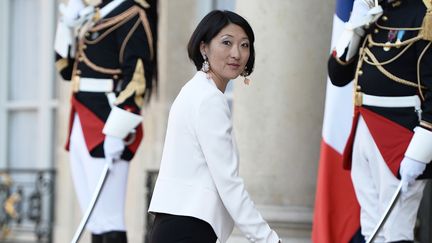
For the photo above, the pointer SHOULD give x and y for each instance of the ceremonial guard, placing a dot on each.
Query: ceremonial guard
(108, 52)
(391, 137)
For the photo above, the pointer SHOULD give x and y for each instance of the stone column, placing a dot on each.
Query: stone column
(278, 117)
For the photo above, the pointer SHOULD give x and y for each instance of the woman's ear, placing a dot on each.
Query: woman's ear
(203, 49)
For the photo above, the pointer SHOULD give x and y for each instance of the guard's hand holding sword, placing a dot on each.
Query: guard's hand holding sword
(410, 169)
(113, 148)
(119, 125)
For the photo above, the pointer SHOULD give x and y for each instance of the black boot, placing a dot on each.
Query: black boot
(115, 237)
(96, 238)
(402, 241)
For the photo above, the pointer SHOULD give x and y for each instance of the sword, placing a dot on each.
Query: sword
(387, 212)
(95, 197)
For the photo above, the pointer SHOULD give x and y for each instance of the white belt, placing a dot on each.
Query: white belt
(96, 85)
(389, 101)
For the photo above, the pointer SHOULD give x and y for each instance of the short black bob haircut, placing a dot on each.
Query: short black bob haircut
(210, 26)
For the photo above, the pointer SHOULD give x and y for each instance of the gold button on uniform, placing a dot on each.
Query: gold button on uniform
(384, 18)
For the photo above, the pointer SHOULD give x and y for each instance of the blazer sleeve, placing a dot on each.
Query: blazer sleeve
(214, 132)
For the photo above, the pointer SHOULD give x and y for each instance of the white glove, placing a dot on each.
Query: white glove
(363, 13)
(70, 12)
(410, 169)
(64, 40)
(113, 148)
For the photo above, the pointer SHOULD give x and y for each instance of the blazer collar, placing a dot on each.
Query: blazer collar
(203, 76)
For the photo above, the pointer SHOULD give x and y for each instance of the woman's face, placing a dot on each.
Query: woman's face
(228, 52)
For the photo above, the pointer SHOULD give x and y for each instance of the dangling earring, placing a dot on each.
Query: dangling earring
(206, 65)
(244, 74)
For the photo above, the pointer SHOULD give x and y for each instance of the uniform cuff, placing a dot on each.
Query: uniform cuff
(120, 123)
(420, 147)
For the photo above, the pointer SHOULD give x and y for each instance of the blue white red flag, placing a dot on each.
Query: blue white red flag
(336, 212)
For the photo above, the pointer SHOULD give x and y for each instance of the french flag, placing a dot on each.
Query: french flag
(337, 212)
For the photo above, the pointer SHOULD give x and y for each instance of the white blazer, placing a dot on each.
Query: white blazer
(199, 176)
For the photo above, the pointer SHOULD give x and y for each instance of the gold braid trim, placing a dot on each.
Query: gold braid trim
(388, 74)
(143, 3)
(427, 26)
(418, 70)
(136, 86)
(426, 124)
(357, 98)
(403, 43)
(109, 30)
(394, 58)
(123, 46)
(143, 19)
(428, 4)
(427, 21)
(98, 68)
(146, 24)
(359, 63)
(61, 64)
(396, 28)
(114, 20)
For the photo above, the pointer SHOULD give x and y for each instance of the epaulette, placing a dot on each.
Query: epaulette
(143, 3)
(427, 21)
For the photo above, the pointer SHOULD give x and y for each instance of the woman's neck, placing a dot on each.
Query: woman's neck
(220, 83)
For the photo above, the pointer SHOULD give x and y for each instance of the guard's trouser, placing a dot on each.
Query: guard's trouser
(374, 186)
(108, 214)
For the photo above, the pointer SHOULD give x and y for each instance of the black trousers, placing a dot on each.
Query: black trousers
(169, 228)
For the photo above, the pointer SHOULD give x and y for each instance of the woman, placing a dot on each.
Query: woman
(199, 195)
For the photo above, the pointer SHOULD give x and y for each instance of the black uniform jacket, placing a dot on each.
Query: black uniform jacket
(121, 47)
(394, 71)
